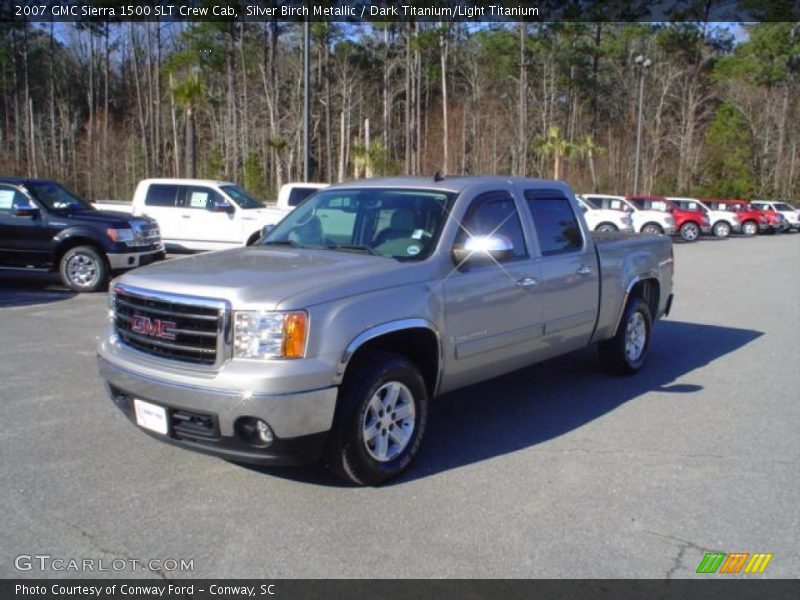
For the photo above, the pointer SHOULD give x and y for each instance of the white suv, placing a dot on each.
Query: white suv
(723, 222)
(604, 219)
(789, 212)
(644, 221)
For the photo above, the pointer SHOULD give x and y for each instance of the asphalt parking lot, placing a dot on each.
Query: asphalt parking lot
(554, 471)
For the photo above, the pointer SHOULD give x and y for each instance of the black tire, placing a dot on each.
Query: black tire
(652, 228)
(606, 227)
(721, 229)
(614, 354)
(84, 269)
(689, 231)
(350, 454)
(750, 228)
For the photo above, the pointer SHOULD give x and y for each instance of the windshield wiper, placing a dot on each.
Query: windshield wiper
(353, 248)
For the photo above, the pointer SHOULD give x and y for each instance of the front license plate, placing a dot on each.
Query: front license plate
(150, 416)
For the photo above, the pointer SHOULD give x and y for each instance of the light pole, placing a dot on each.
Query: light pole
(642, 63)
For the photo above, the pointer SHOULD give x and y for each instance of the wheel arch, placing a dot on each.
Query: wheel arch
(648, 289)
(416, 339)
(68, 242)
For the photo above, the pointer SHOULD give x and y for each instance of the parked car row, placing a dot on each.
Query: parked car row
(688, 218)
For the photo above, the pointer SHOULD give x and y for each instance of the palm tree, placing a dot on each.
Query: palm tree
(556, 146)
(188, 93)
(587, 148)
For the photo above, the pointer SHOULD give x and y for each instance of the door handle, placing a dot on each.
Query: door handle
(583, 270)
(527, 282)
(187, 216)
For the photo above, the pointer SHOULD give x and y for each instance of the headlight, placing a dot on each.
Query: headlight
(121, 235)
(262, 334)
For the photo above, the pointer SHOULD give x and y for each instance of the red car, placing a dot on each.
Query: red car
(775, 221)
(688, 223)
(752, 220)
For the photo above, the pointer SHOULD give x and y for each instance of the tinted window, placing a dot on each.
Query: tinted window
(556, 225)
(162, 195)
(494, 213)
(298, 194)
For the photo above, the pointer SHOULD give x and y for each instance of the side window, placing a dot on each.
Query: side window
(556, 226)
(203, 198)
(494, 213)
(11, 199)
(162, 195)
(298, 194)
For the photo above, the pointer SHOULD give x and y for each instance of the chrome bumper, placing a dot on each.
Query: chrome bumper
(289, 415)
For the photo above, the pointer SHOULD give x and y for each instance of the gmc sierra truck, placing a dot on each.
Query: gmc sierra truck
(45, 227)
(331, 336)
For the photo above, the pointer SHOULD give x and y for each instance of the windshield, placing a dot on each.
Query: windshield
(589, 202)
(242, 198)
(56, 197)
(403, 224)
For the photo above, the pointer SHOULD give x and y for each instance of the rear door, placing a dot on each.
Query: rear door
(162, 203)
(570, 281)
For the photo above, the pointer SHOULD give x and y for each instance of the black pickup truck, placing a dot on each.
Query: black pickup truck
(45, 227)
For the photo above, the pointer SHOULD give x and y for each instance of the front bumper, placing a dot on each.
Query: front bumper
(129, 260)
(300, 421)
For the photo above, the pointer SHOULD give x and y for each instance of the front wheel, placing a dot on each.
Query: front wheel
(83, 269)
(381, 416)
(652, 228)
(689, 231)
(749, 228)
(606, 227)
(722, 229)
(626, 352)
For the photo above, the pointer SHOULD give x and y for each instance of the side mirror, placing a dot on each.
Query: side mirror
(26, 211)
(266, 230)
(223, 208)
(482, 249)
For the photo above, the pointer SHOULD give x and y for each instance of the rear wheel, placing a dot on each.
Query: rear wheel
(626, 352)
(652, 228)
(381, 416)
(689, 231)
(721, 229)
(749, 228)
(83, 269)
(606, 227)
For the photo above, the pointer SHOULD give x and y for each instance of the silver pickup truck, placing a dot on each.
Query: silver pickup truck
(330, 337)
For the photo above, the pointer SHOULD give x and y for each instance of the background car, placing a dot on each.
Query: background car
(644, 221)
(752, 221)
(789, 212)
(723, 222)
(604, 219)
(689, 223)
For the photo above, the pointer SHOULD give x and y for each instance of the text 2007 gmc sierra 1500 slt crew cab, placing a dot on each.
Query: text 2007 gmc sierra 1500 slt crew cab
(330, 337)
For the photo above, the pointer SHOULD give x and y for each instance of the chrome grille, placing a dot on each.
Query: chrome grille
(146, 233)
(173, 327)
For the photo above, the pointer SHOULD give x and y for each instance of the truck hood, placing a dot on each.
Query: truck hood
(258, 277)
(106, 218)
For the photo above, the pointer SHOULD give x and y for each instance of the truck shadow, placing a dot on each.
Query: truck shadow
(25, 289)
(550, 399)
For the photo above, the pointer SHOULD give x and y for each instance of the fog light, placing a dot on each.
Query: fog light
(264, 432)
(254, 431)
